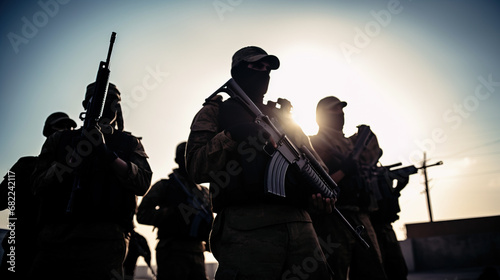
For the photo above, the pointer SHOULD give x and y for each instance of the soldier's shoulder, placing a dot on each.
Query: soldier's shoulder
(24, 163)
(206, 118)
(216, 100)
(127, 141)
(26, 160)
(315, 139)
(129, 135)
(161, 183)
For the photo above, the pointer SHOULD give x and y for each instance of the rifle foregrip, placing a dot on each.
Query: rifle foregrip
(316, 183)
(325, 179)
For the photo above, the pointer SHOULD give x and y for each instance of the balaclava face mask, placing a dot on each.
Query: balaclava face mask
(254, 83)
(330, 118)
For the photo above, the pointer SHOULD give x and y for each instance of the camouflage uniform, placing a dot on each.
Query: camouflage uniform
(90, 242)
(181, 211)
(254, 236)
(355, 202)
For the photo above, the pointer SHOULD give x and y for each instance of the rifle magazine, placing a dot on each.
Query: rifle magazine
(276, 173)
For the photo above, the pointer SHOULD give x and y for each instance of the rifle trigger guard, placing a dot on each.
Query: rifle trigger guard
(268, 149)
(82, 116)
(360, 229)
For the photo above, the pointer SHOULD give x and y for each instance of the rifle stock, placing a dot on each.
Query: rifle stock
(286, 154)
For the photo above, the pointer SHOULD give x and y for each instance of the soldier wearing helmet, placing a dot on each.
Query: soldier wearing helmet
(88, 181)
(25, 210)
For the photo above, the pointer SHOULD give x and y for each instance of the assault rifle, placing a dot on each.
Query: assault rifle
(286, 154)
(404, 172)
(96, 102)
(95, 109)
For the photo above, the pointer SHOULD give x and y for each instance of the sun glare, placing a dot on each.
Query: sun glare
(309, 73)
(307, 121)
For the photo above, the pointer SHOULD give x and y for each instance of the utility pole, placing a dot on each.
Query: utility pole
(424, 167)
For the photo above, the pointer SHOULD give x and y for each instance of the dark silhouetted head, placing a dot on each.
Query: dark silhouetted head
(250, 68)
(112, 112)
(57, 121)
(330, 113)
(180, 150)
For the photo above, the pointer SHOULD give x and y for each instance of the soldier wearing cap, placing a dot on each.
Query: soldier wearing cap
(255, 235)
(350, 259)
(86, 239)
(25, 211)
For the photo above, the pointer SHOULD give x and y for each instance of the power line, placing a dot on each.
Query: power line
(468, 175)
(485, 154)
(472, 148)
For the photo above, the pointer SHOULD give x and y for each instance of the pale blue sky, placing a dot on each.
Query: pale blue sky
(412, 70)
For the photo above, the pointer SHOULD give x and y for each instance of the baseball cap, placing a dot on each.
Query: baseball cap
(253, 54)
(330, 101)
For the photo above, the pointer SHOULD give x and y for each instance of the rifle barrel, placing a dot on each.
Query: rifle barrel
(393, 165)
(111, 43)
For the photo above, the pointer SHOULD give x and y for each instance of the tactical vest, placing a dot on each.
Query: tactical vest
(189, 207)
(247, 185)
(100, 197)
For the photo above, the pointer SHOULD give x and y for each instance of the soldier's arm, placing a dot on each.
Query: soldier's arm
(207, 147)
(137, 174)
(329, 156)
(48, 171)
(204, 157)
(152, 209)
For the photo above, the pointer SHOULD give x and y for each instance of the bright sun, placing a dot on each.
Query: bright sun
(306, 75)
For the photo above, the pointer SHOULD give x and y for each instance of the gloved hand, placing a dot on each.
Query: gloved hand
(102, 149)
(349, 165)
(243, 131)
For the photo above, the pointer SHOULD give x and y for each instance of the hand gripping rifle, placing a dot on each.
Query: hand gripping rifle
(286, 154)
(95, 109)
(400, 173)
(403, 172)
(365, 135)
